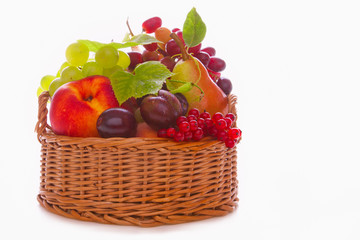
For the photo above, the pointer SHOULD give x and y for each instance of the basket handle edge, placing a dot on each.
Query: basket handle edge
(42, 124)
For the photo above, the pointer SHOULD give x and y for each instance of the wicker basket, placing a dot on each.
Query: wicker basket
(135, 181)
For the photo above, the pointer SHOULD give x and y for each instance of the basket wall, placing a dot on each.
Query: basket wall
(135, 181)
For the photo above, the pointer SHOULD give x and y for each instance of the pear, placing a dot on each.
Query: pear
(190, 69)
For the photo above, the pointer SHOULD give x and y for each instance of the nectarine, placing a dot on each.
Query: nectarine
(76, 106)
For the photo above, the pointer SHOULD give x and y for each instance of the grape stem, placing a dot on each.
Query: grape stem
(184, 54)
(192, 84)
(128, 25)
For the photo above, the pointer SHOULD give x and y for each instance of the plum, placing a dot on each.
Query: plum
(161, 111)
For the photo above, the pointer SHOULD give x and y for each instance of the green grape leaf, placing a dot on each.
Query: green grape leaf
(92, 45)
(194, 29)
(143, 39)
(140, 39)
(148, 79)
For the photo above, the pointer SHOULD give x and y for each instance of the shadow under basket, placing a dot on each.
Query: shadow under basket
(145, 182)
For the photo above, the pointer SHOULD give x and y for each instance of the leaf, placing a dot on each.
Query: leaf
(140, 39)
(183, 88)
(194, 29)
(148, 79)
(143, 39)
(92, 45)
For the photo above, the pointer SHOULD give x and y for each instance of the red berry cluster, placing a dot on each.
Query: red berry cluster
(197, 125)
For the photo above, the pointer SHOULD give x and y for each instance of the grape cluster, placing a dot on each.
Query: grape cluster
(80, 64)
(196, 126)
(171, 52)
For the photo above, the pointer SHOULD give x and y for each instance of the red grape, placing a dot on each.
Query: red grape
(195, 49)
(172, 48)
(203, 57)
(151, 47)
(225, 85)
(135, 59)
(150, 56)
(216, 64)
(150, 25)
(168, 62)
(210, 50)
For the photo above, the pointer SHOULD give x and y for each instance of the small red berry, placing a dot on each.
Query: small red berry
(170, 132)
(221, 124)
(180, 119)
(198, 134)
(193, 125)
(205, 115)
(222, 135)
(208, 123)
(191, 117)
(188, 136)
(184, 126)
(195, 112)
(228, 122)
(231, 116)
(179, 136)
(201, 122)
(162, 133)
(217, 116)
(213, 131)
(234, 133)
(230, 143)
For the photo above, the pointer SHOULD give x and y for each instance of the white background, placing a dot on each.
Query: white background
(295, 66)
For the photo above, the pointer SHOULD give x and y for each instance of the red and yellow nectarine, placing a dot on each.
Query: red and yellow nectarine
(76, 106)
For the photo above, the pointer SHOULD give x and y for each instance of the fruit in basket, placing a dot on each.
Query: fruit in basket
(190, 69)
(160, 111)
(116, 122)
(196, 126)
(147, 90)
(77, 54)
(76, 106)
(144, 130)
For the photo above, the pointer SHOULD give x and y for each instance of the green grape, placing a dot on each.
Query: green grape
(64, 65)
(39, 91)
(70, 74)
(45, 82)
(77, 54)
(124, 60)
(107, 56)
(92, 68)
(54, 85)
(109, 71)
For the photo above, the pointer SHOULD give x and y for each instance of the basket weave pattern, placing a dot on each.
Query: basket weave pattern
(135, 181)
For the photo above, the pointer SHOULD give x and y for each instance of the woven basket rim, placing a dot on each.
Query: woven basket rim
(44, 130)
